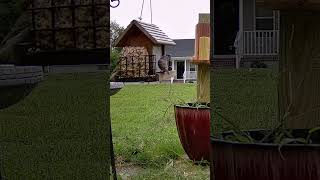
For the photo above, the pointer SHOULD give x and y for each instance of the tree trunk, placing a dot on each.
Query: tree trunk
(299, 83)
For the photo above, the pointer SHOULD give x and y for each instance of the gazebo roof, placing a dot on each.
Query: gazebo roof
(153, 32)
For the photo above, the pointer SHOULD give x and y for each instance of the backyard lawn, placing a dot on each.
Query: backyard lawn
(60, 131)
(146, 140)
(247, 98)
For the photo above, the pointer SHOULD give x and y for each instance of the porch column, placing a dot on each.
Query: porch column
(173, 64)
(238, 55)
(240, 15)
(185, 69)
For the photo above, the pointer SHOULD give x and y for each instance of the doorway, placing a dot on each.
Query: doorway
(180, 69)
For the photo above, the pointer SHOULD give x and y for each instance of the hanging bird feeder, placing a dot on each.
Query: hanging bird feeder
(114, 3)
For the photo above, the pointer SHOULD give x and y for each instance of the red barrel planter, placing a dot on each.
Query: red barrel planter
(193, 125)
(263, 161)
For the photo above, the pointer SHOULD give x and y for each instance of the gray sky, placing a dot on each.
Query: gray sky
(177, 18)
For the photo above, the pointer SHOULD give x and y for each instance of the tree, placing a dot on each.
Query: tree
(115, 31)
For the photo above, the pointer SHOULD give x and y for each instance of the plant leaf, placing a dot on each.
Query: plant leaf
(242, 138)
(314, 130)
(288, 141)
(311, 131)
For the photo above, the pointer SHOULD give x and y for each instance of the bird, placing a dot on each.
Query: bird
(163, 63)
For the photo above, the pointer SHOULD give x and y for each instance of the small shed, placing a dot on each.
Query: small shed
(142, 46)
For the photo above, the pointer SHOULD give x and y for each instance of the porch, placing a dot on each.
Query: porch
(257, 43)
(185, 70)
(258, 34)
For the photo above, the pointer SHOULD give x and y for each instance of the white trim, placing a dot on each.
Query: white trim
(172, 63)
(185, 71)
(188, 58)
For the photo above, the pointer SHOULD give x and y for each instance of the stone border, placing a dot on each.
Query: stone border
(11, 75)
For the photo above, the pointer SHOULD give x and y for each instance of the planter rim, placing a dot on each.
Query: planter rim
(262, 145)
(183, 106)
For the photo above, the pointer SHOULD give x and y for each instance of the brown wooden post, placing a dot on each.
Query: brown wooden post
(299, 87)
(203, 86)
(299, 80)
(202, 58)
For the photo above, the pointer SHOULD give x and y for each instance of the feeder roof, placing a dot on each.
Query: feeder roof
(153, 32)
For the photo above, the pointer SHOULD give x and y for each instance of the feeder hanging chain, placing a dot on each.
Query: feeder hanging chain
(115, 4)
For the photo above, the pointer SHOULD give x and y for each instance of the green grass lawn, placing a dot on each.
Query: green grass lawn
(247, 98)
(60, 131)
(145, 135)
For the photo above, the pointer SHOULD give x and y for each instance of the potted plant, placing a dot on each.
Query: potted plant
(290, 150)
(193, 119)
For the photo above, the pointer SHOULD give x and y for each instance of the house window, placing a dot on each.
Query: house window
(192, 67)
(264, 19)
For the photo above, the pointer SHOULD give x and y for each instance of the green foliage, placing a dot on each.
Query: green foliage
(115, 31)
(114, 58)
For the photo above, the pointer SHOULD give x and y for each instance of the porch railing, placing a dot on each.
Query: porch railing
(256, 43)
(260, 42)
(189, 75)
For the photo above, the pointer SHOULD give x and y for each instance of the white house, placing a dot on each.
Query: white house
(181, 56)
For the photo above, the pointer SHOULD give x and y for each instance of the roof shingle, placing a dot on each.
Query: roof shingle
(153, 32)
(183, 48)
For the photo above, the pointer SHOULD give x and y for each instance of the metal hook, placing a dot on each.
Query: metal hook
(114, 6)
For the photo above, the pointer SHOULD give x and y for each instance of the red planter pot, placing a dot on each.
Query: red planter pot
(246, 161)
(193, 125)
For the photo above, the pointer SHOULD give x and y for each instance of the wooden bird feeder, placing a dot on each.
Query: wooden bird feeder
(299, 61)
(202, 58)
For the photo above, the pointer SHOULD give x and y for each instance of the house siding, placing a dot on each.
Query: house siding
(157, 51)
(248, 15)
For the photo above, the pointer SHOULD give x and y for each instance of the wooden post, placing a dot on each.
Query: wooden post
(203, 83)
(202, 58)
(299, 85)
